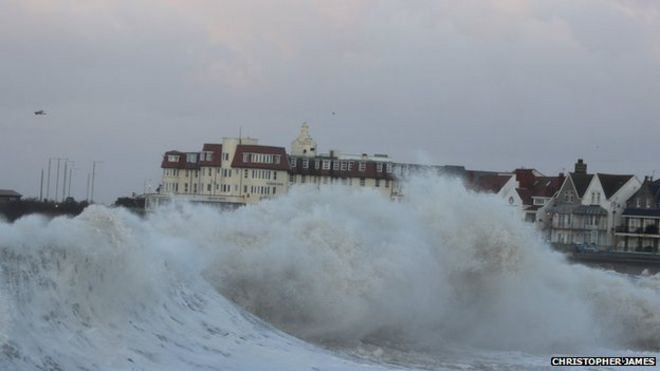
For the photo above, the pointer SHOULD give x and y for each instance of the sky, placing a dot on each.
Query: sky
(488, 84)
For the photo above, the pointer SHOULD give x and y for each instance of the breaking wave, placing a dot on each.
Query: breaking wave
(445, 268)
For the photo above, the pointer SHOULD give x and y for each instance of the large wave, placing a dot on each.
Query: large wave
(441, 269)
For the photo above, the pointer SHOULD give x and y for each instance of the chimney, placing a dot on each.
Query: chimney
(580, 167)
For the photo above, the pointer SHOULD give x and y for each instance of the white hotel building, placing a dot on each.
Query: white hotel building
(240, 171)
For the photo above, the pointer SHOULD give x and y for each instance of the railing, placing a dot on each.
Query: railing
(649, 229)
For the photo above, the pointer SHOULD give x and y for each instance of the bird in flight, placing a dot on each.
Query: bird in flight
(40, 112)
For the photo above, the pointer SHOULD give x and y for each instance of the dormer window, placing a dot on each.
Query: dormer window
(173, 158)
(191, 158)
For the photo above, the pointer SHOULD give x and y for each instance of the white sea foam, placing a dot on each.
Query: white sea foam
(445, 272)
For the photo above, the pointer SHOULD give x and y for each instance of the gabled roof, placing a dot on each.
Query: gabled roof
(489, 183)
(655, 188)
(581, 182)
(612, 183)
(536, 186)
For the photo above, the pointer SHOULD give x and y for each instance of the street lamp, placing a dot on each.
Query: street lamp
(91, 197)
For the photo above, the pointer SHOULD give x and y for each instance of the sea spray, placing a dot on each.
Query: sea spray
(442, 269)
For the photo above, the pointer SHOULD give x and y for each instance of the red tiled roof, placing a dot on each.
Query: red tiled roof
(181, 164)
(489, 183)
(525, 177)
(216, 156)
(267, 150)
(370, 171)
(543, 186)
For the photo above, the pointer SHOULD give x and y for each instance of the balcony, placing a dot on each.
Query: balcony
(649, 230)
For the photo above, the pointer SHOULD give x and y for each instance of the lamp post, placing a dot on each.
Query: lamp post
(91, 197)
(57, 178)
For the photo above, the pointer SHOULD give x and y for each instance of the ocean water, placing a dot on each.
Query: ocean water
(315, 280)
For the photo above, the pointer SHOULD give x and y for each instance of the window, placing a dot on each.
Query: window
(317, 164)
(326, 165)
(173, 158)
(343, 165)
(225, 156)
(293, 162)
(191, 157)
(379, 167)
(335, 165)
(362, 166)
(277, 159)
(389, 167)
(274, 175)
(305, 163)
(246, 157)
(350, 165)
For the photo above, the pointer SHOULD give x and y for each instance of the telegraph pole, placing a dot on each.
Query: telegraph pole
(41, 186)
(65, 175)
(94, 179)
(48, 181)
(87, 193)
(57, 180)
(68, 192)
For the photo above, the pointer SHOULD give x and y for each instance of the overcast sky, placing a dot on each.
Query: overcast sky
(492, 85)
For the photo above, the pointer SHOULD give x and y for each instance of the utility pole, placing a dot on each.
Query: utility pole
(94, 179)
(57, 179)
(48, 181)
(41, 186)
(65, 175)
(87, 193)
(68, 192)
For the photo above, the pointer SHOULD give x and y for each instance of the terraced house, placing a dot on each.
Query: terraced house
(639, 229)
(588, 207)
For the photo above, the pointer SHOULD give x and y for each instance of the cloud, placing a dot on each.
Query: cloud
(488, 84)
